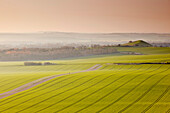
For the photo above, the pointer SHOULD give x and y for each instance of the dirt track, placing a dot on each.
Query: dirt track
(42, 80)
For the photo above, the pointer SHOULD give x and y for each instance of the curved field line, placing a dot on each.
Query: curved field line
(103, 67)
(43, 88)
(84, 90)
(77, 93)
(56, 94)
(120, 67)
(20, 83)
(128, 92)
(34, 90)
(145, 93)
(38, 87)
(97, 91)
(157, 100)
(108, 95)
(114, 68)
(31, 92)
(53, 81)
(17, 80)
(49, 97)
(41, 80)
(111, 67)
(168, 111)
(6, 79)
(85, 67)
(11, 81)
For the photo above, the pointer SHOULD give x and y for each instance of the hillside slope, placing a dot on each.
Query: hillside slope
(138, 43)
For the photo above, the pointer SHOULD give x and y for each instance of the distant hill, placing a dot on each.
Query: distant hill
(138, 43)
(58, 39)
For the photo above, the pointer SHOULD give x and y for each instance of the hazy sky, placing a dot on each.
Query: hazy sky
(85, 15)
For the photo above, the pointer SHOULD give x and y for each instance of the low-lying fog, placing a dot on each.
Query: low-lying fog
(57, 39)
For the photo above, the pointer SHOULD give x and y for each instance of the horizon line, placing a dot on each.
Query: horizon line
(85, 32)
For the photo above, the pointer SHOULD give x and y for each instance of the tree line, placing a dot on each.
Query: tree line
(16, 54)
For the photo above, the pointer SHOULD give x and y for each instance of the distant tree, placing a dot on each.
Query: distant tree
(32, 63)
(136, 45)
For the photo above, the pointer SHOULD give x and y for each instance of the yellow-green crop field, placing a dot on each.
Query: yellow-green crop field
(110, 89)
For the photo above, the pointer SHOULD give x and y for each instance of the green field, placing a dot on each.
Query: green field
(110, 89)
(146, 50)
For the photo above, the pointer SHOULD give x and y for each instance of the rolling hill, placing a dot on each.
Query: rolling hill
(138, 43)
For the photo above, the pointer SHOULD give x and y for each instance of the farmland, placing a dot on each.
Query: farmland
(109, 89)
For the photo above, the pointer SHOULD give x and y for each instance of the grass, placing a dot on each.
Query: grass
(14, 76)
(140, 43)
(110, 89)
(145, 50)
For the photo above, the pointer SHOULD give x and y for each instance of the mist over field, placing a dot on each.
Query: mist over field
(84, 56)
(64, 38)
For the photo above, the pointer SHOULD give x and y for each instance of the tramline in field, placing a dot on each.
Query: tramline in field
(105, 88)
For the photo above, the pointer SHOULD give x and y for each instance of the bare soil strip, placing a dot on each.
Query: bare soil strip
(42, 80)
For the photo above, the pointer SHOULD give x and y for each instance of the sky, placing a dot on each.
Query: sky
(85, 16)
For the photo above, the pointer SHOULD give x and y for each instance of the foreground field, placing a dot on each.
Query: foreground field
(110, 89)
(15, 75)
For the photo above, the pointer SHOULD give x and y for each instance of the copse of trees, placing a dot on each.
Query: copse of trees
(38, 63)
(49, 63)
(32, 63)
